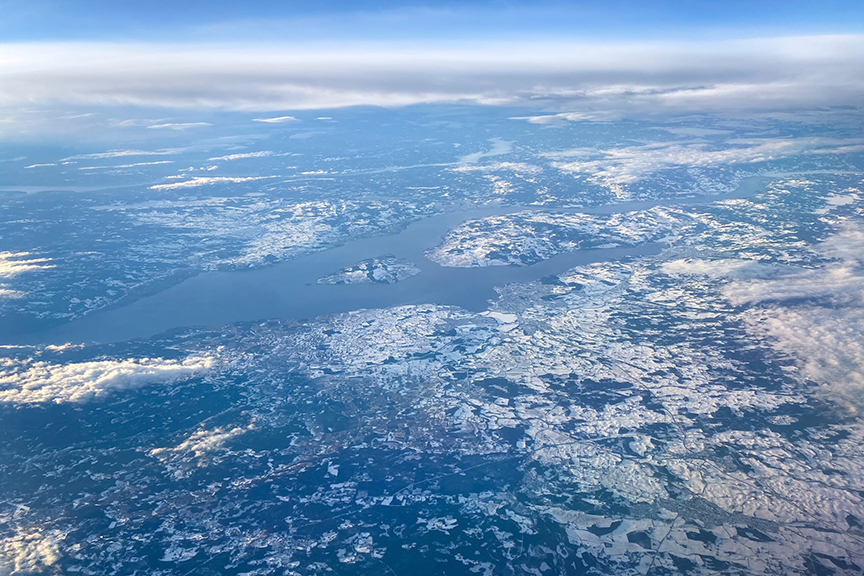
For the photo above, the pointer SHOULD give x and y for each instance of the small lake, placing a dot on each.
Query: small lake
(290, 290)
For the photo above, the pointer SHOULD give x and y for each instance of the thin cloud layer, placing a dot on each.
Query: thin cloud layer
(827, 343)
(839, 283)
(825, 335)
(654, 76)
(617, 167)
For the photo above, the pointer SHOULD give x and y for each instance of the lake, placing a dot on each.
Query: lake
(289, 290)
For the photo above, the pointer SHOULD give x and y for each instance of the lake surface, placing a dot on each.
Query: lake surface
(290, 290)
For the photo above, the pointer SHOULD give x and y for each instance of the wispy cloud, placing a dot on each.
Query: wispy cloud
(564, 117)
(243, 155)
(751, 74)
(205, 181)
(203, 441)
(179, 125)
(120, 166)
(276, 119)
(201, 448)
(118, 154)
(14, 263)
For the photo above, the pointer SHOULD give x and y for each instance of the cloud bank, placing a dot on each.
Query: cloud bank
(43, 382)
(769, 73)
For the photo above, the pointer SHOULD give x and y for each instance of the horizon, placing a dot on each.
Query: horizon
(627, 58)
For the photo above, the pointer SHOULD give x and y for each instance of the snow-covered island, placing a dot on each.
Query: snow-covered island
(386, 269)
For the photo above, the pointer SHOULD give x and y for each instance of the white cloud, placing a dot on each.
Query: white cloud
(827, 343)
(761, 74)
(7, 293)
(203, 442)
(63, 347)
(839, 284)
(203, 447)
(564, 117)
(725, 268)
(206, 180)
(132, 122)
(179, 125)
(242, 155)
(30, 550)
(119, 166)
(847, 245)
(118, 154)
(276, 120)
(518, 167)
(14, 263)
(32, 382)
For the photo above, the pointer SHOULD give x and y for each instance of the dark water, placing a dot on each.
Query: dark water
(289, 290)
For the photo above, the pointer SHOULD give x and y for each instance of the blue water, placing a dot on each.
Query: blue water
(289, 290)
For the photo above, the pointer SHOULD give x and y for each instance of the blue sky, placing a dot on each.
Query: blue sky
(328, 20)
